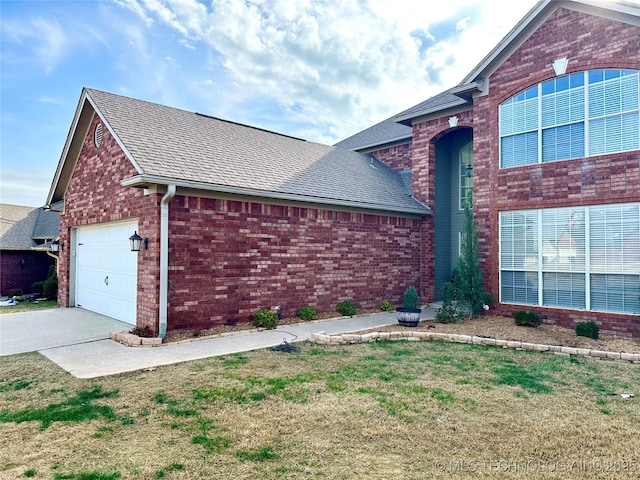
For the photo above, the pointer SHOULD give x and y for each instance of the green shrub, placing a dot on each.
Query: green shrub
(386, 306)
(588, 329)
(411, 300)
(307, 313)
(37, 287)
(346, 308)
(449, 312)
(264, 318)
(50, 285)
(525, 318)
(15, 292)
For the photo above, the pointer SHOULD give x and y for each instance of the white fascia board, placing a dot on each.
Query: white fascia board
(145, 180)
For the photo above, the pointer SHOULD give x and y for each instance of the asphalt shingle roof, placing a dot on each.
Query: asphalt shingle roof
(177, 144)
(429, 105)
(20, 225)
(386, 131)
(397, 127)
(47, 225)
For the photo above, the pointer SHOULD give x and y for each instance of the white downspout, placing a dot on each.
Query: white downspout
(164, 260)
(55, 257)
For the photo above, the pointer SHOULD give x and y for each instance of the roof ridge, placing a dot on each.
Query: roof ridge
(248, 126)
(200, 114)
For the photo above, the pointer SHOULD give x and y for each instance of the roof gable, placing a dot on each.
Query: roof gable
(621, 11)
(172, 146)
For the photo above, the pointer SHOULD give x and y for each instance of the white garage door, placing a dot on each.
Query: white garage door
(107, 270)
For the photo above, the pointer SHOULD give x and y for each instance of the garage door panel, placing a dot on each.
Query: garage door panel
(106, 273)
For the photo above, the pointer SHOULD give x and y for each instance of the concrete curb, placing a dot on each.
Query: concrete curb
(321, 338)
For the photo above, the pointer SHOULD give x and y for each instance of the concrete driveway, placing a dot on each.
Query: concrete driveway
(44, 329)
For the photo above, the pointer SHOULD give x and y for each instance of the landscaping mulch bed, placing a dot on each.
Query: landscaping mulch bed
(498, 327)
(179, 335)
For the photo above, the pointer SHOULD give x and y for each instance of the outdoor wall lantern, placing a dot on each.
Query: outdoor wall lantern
(469, 170)
(137, 242)
(55, 246)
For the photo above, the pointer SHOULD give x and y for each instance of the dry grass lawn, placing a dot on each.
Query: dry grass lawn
(390, 410)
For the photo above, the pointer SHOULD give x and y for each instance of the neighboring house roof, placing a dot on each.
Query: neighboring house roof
(461, 94)
(47, 225)
(385, 132)
(172, 146)
(21, 226)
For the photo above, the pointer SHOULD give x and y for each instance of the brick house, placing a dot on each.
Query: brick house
(546, 133)
(25, 233)
(236, 219)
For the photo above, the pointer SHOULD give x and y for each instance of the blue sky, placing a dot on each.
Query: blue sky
(317, 69)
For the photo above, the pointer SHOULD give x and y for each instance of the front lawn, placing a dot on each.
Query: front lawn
(28, 306)
(389, 410)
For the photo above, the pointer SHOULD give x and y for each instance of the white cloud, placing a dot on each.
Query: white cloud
(29, 185)
(52, 100)
(136, 8)
(44, 39)
(334, 66)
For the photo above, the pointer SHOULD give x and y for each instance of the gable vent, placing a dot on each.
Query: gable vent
(97, 135)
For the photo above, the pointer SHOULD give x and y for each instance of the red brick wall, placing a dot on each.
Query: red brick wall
(397, 157)
(20, 269)
(229, 258)
(589, 43)
(95, 196)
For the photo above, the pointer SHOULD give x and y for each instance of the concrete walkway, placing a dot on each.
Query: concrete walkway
(50, 328)
(106, 357)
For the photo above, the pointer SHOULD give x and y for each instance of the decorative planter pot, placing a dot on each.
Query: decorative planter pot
(408, 317)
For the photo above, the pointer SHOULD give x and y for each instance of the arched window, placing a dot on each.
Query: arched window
(571, 116)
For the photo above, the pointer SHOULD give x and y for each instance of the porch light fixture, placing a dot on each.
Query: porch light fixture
(137, 242)
(55, 246)
(469, 170)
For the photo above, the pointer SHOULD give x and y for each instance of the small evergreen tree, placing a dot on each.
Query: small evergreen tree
(467, 276)
(50, 285)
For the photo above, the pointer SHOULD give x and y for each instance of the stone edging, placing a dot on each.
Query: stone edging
(131, 340)
(321, 338)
